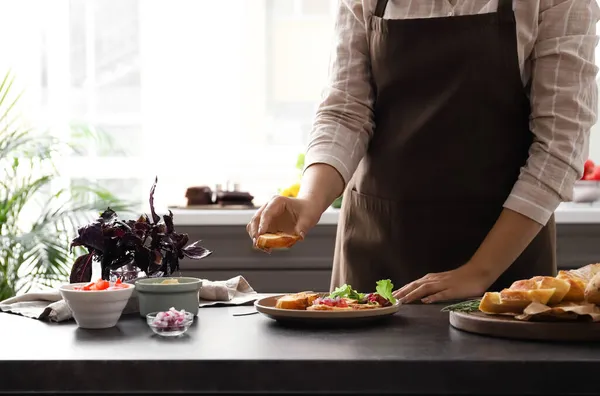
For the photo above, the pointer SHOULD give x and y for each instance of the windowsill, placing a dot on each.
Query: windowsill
(567, 213)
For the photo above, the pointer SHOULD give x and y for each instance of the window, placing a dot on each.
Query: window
(196, 92)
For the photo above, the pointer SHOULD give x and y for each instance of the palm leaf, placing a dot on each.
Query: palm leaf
(34, 252)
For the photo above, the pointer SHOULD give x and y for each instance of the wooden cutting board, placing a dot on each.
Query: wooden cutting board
(507, 327)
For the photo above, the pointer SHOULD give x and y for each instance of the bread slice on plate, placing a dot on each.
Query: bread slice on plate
(299, 301)
(279, 240)
(323, 307)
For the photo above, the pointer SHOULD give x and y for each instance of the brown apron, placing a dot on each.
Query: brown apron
(452, 132)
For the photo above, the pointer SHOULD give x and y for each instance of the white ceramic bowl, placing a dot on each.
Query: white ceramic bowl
(586, 191)
(96, 309)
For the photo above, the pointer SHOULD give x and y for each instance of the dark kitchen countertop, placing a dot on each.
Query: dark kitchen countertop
(415, 352)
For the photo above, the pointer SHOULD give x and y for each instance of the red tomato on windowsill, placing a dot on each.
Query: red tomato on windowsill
(595, 174)
(588, 168)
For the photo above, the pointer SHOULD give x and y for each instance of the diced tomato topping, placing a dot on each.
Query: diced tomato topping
(102, 284)
(331, 302)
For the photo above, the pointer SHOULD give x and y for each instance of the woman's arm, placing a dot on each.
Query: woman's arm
(344, 120)
(564, 102)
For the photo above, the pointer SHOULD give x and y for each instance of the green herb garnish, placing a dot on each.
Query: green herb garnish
(464, 306)
(346, 291)
(385, 288)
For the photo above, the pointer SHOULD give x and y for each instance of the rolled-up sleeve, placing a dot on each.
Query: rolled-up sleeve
(344, 121)
(564, 100)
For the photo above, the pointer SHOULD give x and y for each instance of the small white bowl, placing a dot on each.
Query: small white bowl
(586, 191)
(96, 309)
(175, 331)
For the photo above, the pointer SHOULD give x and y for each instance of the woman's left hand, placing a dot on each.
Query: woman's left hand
(464, 282)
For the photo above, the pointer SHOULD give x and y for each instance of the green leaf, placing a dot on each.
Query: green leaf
(300, 162)
(463, 306)
(37, 220)
(346, 291)
(385, 288)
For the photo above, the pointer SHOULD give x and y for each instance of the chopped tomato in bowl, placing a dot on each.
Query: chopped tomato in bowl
(101, 284)
(97, 305)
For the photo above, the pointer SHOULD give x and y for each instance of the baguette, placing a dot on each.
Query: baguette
(592, 291)
(577, 287)
(323, 307)
(561, 287)
(298, 301)
(279, 240)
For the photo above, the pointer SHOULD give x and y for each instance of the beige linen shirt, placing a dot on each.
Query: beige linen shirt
(556, 45)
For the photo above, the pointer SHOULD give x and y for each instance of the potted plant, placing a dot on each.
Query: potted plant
(126, 248)
(38, 217)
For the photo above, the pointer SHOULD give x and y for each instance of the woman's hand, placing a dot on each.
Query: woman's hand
(281, 214)
(509, 237)
(464, 282)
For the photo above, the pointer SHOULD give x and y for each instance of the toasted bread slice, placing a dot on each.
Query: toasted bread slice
(298, 301)
(360, 307)
(561, 287)
(525, 284)
(587, 272)
(592, 290)
(492, 303)
(537, 295)
(323, 307)
(278, 240)
(577, 286)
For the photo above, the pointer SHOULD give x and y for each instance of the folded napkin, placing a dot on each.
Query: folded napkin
(49, 305)
(235, 291)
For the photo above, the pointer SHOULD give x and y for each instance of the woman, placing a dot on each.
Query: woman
(455, 127)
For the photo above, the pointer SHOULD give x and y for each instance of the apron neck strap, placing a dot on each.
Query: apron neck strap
(505, 10)
(380, 8)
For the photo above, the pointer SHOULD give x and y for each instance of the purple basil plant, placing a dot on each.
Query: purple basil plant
(147, 243)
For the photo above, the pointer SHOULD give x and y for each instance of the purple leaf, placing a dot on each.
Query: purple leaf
(195, 252)
(82, 269)
(143, 258)
(90, 236)
(155, 217)
(169, 222)
(108, 217)
(131, 240)
(181, 240)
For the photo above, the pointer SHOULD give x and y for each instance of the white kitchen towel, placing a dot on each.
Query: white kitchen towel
(235, 291)
(49, 305)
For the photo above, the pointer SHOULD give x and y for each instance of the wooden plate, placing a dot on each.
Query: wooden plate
(507, 327)
(266, 306)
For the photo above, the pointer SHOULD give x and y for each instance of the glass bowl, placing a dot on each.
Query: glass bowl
(172, 331)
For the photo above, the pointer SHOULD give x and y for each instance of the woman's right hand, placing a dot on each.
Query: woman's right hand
(294, 216)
